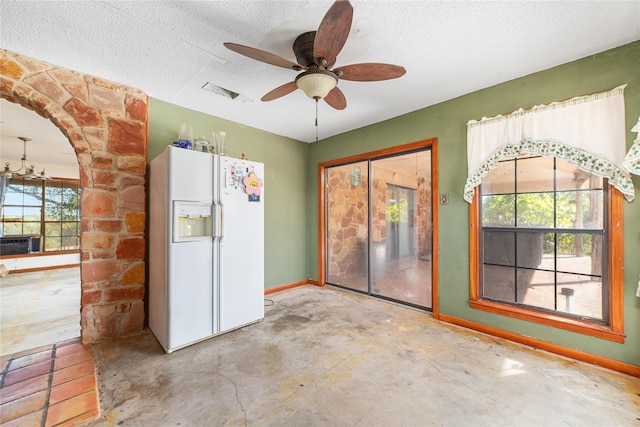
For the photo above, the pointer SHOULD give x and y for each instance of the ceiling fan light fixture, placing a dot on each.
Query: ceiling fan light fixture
(316, 83)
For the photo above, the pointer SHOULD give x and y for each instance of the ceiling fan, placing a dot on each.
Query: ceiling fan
(316, 53)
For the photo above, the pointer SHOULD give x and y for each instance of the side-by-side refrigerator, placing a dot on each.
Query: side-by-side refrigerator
(206, 245)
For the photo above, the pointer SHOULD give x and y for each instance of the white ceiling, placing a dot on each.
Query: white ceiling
(170, 49)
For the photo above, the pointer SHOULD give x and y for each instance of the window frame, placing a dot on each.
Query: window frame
(614, 226)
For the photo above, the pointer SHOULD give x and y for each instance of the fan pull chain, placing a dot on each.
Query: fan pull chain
(316, 120)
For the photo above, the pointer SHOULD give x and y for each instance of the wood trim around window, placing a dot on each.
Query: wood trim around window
(613, 332)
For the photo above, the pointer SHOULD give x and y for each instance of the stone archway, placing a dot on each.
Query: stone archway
(106, 123)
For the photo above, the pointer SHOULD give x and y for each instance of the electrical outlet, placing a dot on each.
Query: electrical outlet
(444, 199)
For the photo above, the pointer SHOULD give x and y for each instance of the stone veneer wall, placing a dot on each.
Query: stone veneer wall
(106, 123)
(347, 221)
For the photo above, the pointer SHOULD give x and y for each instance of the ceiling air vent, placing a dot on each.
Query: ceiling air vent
(208, 86)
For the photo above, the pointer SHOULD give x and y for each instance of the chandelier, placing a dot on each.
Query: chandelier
(29, 173)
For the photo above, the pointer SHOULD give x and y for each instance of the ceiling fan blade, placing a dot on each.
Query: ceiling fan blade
(263, 56)
(336, 99)
(332, 33)
(369, 72)
(278, 92)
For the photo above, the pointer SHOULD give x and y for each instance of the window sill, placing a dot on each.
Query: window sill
(40, 254)
(548, 319)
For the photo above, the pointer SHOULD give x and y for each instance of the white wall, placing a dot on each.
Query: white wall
(40, 261)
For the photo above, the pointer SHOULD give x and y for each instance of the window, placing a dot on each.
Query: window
(548, 246)
(43, 208)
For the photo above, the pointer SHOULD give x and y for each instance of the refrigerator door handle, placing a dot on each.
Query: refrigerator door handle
(216, 220)
(221, 221)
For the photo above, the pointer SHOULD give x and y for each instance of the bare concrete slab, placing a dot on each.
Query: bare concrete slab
(326, 357)
(39, 308)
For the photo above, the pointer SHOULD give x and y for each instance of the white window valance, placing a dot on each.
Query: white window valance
(632, 160)
(588, 131)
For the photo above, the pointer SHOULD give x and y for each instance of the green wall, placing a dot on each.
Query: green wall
(284, 182)
(447, 122)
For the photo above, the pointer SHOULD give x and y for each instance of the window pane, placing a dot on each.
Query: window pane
(69, 243)
(498, 210)
(32, 214)
(532, 247)
(52, 212)
(12, 213)
(500, 180)
(498, 283)
(13, 198)
(52, 229)
(33, 193)
(580, 253)
(535, 174)
(12, 228)
(52, 244)
(580, 295)
(535, 210)
(54, 192)
(499, 247)
(536, 288)
(570, 177)
(580, 209)
(73, 243)
(69, 229)
(31, 228)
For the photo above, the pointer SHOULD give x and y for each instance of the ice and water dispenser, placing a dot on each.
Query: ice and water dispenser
(191, 221)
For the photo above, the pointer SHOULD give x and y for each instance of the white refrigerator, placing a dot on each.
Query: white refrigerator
(206, 246)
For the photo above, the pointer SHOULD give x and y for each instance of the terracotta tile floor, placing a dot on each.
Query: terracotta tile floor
(53, 385)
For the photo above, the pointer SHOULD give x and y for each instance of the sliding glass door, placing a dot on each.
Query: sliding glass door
(379, 226)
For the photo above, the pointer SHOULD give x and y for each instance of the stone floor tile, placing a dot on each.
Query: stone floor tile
(72, 372)
(31, 371)
(71, 349)
(71, 408)
(75, 340)
(72, 388)
(21, 407)
(24, 388)
(72, 359)
(30, 359)
(33, 419)
(33, 350)
(79, 419)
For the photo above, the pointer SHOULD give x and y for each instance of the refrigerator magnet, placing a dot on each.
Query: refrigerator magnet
(252, 186)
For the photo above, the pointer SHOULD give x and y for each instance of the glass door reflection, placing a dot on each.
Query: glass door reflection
(347, 213)
(401, 247)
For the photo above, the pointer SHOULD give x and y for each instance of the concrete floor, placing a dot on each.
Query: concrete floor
(327, 357)
(39, 308)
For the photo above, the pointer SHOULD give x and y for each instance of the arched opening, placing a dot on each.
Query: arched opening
(39, 234)
(106, 124)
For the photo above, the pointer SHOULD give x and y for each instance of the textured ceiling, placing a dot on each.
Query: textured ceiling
(171, 49)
